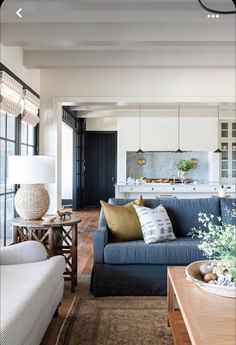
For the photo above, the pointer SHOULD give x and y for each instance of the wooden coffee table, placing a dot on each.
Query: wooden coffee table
(202, 318)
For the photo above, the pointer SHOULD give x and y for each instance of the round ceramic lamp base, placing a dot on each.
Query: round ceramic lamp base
(32, 201)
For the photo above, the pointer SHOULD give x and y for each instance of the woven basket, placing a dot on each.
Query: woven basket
(193, 275)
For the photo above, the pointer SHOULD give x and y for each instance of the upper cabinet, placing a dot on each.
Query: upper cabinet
(228, 146)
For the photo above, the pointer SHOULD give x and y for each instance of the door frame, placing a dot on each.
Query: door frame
(78, 126)
(85, 153)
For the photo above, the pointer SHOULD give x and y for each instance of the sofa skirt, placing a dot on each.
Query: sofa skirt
(129, 280)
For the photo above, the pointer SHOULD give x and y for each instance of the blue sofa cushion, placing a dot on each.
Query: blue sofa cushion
(181, 251)
(183, 213)
(227, 204)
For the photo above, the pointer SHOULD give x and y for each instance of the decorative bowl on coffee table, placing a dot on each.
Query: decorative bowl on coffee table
(193, 274)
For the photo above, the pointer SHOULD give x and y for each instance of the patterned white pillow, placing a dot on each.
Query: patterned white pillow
(155, 224)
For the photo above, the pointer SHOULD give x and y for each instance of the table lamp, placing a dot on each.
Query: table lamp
(31, 172)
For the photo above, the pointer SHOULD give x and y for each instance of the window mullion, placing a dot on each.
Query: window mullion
(18, 135)
(5, 184)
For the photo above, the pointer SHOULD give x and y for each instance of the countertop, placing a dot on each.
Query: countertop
(213, 184)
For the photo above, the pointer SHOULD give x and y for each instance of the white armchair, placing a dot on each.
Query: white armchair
(31, 289)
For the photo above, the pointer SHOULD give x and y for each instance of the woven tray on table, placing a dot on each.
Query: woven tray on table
(193, 275)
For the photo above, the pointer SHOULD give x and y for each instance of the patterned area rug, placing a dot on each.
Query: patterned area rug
(115, 321)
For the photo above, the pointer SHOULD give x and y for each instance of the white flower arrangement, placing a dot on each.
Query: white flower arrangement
(218, 243)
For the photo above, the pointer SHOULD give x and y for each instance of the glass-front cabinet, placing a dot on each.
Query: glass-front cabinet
(228, 146)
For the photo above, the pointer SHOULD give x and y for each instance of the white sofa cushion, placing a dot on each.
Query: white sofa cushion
(22, 253)
(26, 290)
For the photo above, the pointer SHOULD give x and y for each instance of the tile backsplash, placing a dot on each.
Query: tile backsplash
(163, 165)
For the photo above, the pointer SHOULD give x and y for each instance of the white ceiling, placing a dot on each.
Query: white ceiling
(120, 34)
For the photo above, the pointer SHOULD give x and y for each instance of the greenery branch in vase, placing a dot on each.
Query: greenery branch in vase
(218, 244)
(184, 166)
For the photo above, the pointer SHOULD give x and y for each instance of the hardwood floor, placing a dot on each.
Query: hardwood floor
(86, 229)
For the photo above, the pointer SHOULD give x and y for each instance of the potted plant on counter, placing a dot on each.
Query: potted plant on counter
(184, 166)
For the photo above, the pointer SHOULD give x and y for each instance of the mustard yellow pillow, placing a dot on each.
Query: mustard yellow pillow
(123, 221)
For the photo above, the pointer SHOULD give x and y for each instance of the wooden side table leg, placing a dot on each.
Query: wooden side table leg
(170, 298)
(74, 258)
(29, 234)
(50, 242)
(76, 253)
(14, 234)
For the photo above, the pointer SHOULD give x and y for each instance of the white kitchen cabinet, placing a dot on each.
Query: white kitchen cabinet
(152, 191)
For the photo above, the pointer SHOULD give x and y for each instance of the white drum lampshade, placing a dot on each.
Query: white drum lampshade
(31, 172)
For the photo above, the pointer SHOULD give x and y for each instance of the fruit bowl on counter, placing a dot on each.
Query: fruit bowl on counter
(200, 273)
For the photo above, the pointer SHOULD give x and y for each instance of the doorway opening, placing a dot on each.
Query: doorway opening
(89, 163)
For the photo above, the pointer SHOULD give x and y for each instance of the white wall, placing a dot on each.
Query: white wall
(160, 134)
(12, 58)
(105, 124)
(136, 85)
(66, 162)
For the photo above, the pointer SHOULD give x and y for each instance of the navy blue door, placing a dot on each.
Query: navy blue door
(100, 166)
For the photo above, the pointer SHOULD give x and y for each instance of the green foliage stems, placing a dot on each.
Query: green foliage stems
(185, 165)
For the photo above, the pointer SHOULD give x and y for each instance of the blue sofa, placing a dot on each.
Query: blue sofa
(135, 268)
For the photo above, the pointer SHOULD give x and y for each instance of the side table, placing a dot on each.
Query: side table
(59, 237)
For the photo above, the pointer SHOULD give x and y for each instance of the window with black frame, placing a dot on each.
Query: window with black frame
(27, 139)
(19, 109)
(16, 138)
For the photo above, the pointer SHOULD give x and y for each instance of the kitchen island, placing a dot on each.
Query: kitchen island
(178, 190)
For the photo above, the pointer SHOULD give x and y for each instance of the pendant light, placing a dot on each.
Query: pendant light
(218, 150)
(179, 149)
(140, 150)
(211, 10)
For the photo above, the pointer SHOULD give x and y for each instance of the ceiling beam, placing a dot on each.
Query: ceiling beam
(172, 46)
(127, 59)
(64, 34)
